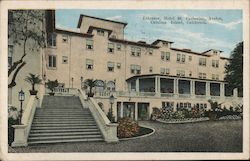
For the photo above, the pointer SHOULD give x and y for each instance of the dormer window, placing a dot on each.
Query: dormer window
(100, 32)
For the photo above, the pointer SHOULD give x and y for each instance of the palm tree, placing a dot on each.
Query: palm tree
(90, 83)
(33, 79)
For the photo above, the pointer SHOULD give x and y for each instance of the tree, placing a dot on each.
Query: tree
(91, 84)
(25, 29)
(33, 79)
(234, 70)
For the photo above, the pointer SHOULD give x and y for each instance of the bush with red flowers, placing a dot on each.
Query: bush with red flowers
(127, 128)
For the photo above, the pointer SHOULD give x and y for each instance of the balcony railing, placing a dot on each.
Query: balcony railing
(184, 95)
(146, 93)
(167, 95)
(201, 96)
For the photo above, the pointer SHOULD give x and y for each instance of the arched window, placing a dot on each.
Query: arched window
(111, 86)
(99, 86)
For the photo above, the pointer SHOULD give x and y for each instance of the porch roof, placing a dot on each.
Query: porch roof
(169, 76)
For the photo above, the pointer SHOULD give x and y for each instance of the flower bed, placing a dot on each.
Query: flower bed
(143, 132)
(184, 120)
(230, 117)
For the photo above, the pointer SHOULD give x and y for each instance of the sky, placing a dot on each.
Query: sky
(198, 30)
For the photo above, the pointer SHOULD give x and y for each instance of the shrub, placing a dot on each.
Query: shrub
(110, 116)
(156, 113)
(127, 128)
(12, 120)
(179, 115)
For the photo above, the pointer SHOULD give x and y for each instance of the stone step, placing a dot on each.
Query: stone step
(64, 127)
(63, 130)
(64, 119)
(61, 118)
(65, 141)
(60, 115)
(62, 122)
(65, 134)
(64, 137)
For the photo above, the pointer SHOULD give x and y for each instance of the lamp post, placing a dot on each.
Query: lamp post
(111, 101)
(72, 79)
(21, 99)
(82, 82)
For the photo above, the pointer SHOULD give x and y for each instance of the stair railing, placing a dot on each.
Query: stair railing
(22, 131)
(108, 129)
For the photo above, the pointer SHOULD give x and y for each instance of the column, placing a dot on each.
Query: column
(222, 90)
(157, 87)
(192, 88)
(207, 89)
(137, 83)
(235, 92)
(176, 87)
(156, 84)
(121, 110)
(136, 111)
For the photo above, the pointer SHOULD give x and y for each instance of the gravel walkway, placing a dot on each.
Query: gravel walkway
(209, 136)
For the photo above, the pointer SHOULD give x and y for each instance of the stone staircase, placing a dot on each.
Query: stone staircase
(63, 119)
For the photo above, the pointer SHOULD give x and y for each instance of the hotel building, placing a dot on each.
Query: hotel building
(140, 75)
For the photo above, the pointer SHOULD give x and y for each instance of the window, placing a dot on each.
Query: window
(135, 69)
(100, 32)
(89, 44)
(110, 66)
(202, 75)
(162, 70)
(167, 71)
(89, 64)
(119, 47)
(183, 57)
(165, 56)
(215, 63)
(180, 73)
(150, 69)
(64, 38)
(51, 39)
(52, 61)
(110, 47)
(118, 65)
(10, 54)
(215, 77)
(65, 60)
(190, 58)
(190, 73)
(136, 51)
(202, 61)
(150, 51)
(162, 55)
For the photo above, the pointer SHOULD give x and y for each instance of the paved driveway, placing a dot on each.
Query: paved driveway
(210, 136)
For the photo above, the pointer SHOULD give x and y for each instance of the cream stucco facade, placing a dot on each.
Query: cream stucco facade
(136, 73)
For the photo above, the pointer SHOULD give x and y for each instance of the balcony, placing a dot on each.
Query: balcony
(167, 95)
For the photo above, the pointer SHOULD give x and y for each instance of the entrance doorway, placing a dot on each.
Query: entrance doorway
(143, 111)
